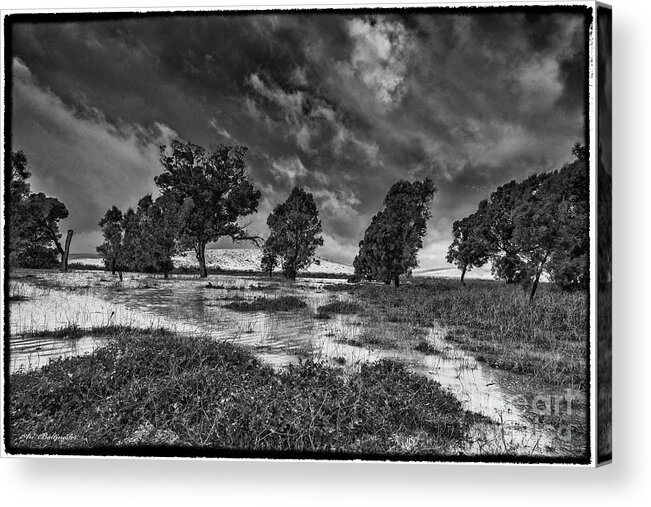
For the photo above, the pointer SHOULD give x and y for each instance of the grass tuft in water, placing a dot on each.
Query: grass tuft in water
(341, 307)
(426, 348)
(279, 304)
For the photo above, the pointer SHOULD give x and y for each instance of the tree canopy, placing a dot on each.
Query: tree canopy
(161, 222)
(215, 188)
(143, 240)
(470, 247)
(392, 240)
(112, 249)
(295, 233)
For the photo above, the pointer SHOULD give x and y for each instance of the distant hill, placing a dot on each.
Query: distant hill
(248, 259)
(74, 256)
(483, 273)
(231, 259)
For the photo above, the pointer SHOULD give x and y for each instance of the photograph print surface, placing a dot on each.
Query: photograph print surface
(314, 234)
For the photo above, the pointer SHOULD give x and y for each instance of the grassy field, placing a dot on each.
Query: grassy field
(546, 340)
(155, 388)
(158, 388)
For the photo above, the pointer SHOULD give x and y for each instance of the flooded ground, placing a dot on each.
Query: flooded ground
(525, 419)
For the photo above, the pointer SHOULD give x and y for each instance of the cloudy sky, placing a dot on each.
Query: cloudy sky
(341, 104)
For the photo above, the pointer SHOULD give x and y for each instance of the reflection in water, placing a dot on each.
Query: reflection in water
(518, 424)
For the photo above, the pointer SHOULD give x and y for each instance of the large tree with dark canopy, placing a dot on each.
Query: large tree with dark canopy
(215, 185)
(392, 240)
(295, 232)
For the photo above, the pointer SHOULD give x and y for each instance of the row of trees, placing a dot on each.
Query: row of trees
(524, 228)
(145, 239)
(527, 228)
(34, 236)
(390, 245)
(203, 194)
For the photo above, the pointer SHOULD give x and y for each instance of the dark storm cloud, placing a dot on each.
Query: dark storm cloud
(342, 105)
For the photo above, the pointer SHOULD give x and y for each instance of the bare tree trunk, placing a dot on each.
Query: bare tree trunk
(396, 280)
(66, 252)
(534, 286)
(201, 257)
(463, 274)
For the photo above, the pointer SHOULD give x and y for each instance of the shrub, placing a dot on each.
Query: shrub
(36, 257)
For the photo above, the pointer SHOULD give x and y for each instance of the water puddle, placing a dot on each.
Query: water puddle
(522, 418)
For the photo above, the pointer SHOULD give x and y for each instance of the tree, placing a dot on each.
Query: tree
(112, 249)
(536, 236)
(535, 226)
(39, 217)
(499, 225)
(269, 260)
(19, 186)
(33, 220)
(392, 240)
(138, 255)
(160, 225)
(217, 189)
(132, 244)
(295, 233)
(469, 248)
(567, 192)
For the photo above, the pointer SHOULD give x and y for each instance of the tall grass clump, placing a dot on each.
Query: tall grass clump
(152, 388)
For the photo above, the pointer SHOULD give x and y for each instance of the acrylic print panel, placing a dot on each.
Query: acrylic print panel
(302, 234)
